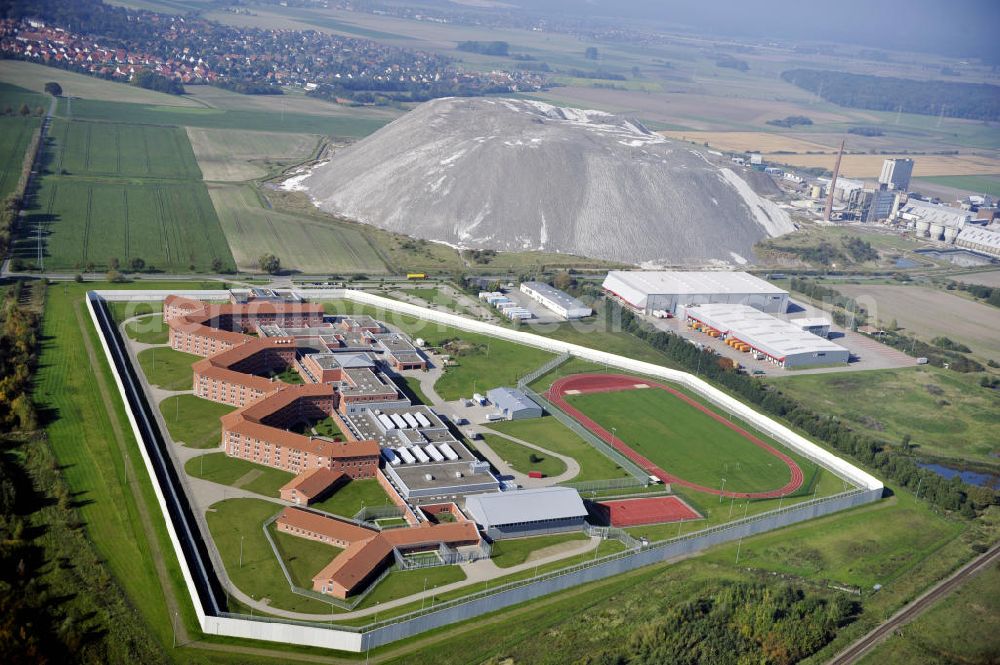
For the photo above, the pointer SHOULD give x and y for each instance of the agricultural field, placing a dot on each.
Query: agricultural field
(122, 191)
(762, 142)
(119, 150)
(683, 440)
(303, 244)
(989, 278)
(977, 184)
(231, 155)
(33, 77)
(948, 415)
(929, 313)
(963, 628)
(194, 421)
(217, 118)
(171, 226)
(15, 135)
(293, 101)
(869, 166)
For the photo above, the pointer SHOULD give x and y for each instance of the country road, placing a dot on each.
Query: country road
(856, 651)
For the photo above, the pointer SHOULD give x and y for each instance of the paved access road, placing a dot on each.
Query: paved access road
(856, 651)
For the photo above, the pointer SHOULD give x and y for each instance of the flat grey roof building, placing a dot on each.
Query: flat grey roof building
(558, 301)
(543, 504)
(513, 403)
(654, 290)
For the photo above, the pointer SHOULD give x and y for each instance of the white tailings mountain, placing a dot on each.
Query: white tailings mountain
(519, 175)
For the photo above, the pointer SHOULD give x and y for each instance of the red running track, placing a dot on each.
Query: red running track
(602, 383)
(652, 510)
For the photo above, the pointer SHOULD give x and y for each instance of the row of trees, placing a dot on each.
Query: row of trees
(889, 460)
(12, 204)
(976, 101)
(153, 81)
(988, 294)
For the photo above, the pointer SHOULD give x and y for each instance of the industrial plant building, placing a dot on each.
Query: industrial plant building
(932, 221)
(896, 173)
(527, 512)
(649, 291)
(978, 239)
(784, 343)
(556, 300)
(513, 404)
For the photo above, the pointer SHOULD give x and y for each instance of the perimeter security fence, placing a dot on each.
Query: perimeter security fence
(203, 582)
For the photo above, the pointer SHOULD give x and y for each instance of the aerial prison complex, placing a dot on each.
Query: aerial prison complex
(735, 307)
(371, 430)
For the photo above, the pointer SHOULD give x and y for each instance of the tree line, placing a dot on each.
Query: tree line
(892, 461)
(988, 294)
(975, 101)
(12, 204)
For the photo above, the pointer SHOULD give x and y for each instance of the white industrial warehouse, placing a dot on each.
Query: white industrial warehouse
(553, 299)
(650, 291)
(783, 343)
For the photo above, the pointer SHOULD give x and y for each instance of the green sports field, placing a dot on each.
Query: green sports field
(683, 440)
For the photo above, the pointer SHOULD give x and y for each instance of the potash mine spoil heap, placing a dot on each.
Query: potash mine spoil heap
(521, 175)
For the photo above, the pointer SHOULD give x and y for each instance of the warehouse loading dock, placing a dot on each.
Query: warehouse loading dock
(749, 330)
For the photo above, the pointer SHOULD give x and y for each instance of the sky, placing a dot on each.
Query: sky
(964, 28)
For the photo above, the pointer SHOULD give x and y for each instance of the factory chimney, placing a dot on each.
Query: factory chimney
(833, 184)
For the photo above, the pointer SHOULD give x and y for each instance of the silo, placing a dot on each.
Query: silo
(950, 233)
(922, 227)
(937, 230)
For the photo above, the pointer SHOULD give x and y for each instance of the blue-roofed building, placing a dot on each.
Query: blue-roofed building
(513, 404)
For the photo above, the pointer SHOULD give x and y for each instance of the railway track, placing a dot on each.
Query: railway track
(856, 651)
